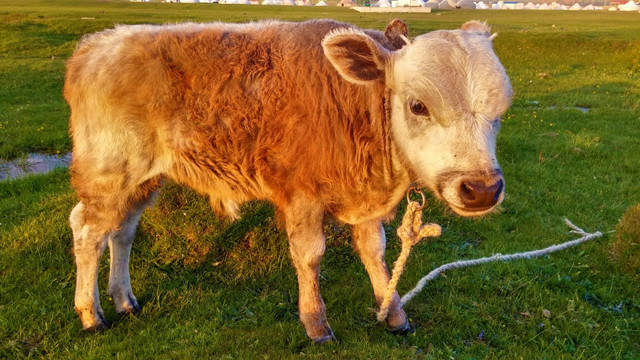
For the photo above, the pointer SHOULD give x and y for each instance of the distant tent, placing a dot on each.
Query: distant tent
(629, 6)
(322, 3)
(444, 5)
(466, 4)
(519, 6)
(431, 4)
(382, 3)
(575, 7)
(499, 6)
(544, 6)
(530, 6)
(589, 7)
(556, 6)
(346, 3)
(481, 6)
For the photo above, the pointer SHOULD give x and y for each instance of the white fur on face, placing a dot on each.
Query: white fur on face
(456, 75)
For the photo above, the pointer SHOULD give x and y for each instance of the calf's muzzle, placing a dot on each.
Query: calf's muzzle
(478, 195)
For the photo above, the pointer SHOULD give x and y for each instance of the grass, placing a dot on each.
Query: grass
(217, 289)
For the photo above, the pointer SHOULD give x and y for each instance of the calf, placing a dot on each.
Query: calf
(319, 117)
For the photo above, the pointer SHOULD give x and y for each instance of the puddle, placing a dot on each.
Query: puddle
(33, 164)
(584, 110)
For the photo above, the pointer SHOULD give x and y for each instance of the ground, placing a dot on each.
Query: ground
(211, 288)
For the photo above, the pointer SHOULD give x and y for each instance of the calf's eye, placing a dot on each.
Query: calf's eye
(418, 108)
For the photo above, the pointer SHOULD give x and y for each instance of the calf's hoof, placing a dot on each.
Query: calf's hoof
(130, 309)
(398, 322)
(93, 321)
(126, 304)
(325, 339)
(405, 329)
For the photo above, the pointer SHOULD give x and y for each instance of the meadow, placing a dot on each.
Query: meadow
(569, 146)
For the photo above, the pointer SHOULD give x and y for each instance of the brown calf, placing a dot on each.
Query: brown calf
(318, 117)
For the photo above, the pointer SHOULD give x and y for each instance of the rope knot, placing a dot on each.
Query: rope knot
(410, 232)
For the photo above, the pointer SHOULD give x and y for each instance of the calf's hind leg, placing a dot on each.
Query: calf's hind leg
(89, 241)
(96, 221)
(120, 242)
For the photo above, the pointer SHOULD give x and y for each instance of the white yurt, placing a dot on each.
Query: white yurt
(555, 6)
(544, 6)
(575, 7)
(589, 7)
(382, 3)
(431, 4)
(519, 6)
(530, 6)
(481, 6)
(466, 4)
(444, 5)
(629, 6)
(322, 3)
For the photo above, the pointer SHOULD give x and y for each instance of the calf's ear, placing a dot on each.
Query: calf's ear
(357, 57)
(397, 32)
(478, 27)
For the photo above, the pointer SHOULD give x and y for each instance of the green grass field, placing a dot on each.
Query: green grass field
(217, 289)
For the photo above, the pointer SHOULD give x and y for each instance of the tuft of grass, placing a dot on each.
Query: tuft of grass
(626, 249)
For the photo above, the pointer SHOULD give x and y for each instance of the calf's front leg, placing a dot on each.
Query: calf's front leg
(369, 242)
(307, 244)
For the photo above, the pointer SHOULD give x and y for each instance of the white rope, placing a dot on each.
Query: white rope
(499, 257)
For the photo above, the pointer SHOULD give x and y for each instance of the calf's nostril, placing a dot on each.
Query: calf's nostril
(467, 191)
(476, 195)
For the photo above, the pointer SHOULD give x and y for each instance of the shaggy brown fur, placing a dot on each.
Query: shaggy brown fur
(253, 113)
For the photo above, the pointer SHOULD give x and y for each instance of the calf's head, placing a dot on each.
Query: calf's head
(448, 92)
